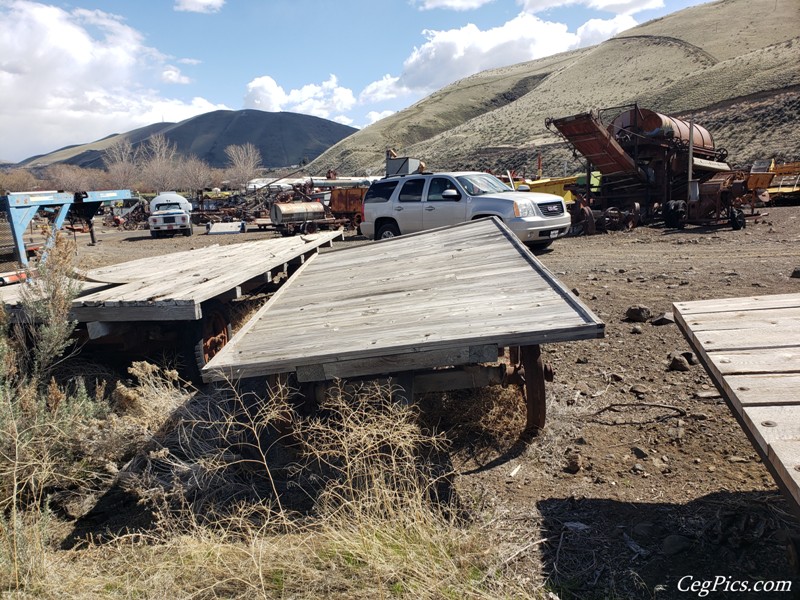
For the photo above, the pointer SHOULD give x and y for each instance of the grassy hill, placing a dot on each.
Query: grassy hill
(283, 138)
(730, 65)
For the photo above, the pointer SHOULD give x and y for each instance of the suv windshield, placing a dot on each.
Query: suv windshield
(482, 183)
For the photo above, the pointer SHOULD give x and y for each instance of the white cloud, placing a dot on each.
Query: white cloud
(327, 100)
(452, 4)
(77, 76)
(199, 6)
(264, 93)
(624, 7)
(619, 7)
(595, 31)
(375, 116)
(344, 120)
(190, 61)
(456, 53)
(386, 88)
(453, 54)
(172, 74)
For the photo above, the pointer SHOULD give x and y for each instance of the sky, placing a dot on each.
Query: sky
(72, 72)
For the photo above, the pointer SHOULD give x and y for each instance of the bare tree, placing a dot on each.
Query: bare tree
(244, 164)
(121, 161)
(72, 178)
(217, 177)
(159, 164)
(195, 175)
(18, 180)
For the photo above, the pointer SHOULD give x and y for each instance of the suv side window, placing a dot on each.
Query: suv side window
(380, 191)
(412, 190)
(438, 185)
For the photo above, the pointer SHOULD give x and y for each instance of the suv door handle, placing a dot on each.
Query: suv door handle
(398, 208)
(430, 208)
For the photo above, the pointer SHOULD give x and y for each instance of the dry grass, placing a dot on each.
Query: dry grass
(250, 496)
(378, 518)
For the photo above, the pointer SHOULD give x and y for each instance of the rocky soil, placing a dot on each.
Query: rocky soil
(642, 476)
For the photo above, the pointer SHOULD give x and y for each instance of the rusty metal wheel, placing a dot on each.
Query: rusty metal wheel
(203, 339)
(530, 373)
(587, 216)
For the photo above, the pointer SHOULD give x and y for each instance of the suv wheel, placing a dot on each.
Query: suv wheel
(389, 230)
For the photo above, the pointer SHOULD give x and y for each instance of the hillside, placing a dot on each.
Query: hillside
(283, 138)
(734, 74)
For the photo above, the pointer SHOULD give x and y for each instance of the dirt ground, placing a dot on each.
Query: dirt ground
(619, 503)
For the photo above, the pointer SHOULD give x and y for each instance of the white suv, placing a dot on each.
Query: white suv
(408, 203)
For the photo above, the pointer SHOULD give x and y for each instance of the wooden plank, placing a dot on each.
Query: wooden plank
(462, 378)
(734, 304)
(786, 334)
(772, 423)
(766, 389)
(413, 360)
(132, 312)
(743, 319)
(784, 456)
(441, 291)
(763, 360)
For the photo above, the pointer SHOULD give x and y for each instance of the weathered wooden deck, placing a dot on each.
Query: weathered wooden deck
(751, 349)
(450, 296)
(173, 287)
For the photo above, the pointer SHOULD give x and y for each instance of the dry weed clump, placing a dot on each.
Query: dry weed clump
(254, 500)
(38, 419)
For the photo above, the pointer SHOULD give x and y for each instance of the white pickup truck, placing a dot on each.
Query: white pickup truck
(170, 214)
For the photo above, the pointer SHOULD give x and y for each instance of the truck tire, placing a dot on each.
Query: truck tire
(387, 231)
(188, 232)
(203, 339)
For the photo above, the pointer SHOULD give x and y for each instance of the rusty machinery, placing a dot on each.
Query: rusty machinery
(653, 165)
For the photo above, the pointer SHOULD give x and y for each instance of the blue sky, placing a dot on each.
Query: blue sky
(75, 71)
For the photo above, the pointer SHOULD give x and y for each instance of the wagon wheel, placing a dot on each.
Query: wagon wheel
(528, 361)
(203, 339)
(587, 216)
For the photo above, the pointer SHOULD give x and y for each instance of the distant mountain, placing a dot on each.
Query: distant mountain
(735, 74)
(283, 138)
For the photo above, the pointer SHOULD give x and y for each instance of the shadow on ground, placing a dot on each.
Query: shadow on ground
(599, 548)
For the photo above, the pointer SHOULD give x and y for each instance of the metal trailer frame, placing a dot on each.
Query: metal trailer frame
(22, 207)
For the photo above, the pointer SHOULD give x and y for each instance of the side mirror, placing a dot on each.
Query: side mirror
(523, 188)
(451, 194)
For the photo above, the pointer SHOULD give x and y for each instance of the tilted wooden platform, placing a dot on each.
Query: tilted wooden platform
(449, 296)
(751, 349)
(173, 287)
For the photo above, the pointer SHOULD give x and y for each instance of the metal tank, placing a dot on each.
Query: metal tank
(282, 213)
(652, 125)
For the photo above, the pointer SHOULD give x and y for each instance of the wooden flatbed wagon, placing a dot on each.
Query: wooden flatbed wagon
(435, 310)
(181, 297)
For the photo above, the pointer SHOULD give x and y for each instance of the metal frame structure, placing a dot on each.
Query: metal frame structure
(22, 207)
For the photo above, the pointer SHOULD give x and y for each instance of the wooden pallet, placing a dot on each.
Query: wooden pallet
(751, 349)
